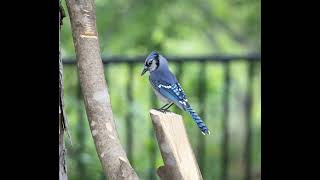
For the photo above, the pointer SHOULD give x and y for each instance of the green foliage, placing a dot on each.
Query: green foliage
(182, 27)
(187, 27)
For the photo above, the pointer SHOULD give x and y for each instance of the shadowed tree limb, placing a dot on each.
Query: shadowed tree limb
(63, 126)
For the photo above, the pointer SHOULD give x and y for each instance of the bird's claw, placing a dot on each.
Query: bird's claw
(163, 110)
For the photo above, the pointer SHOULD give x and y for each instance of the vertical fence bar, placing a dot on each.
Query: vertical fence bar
(257, 73)
(129, 132)
(201, 95)
(225, 122)
(248, 126)
(153, 151)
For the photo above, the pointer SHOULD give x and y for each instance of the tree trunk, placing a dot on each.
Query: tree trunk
(95, 92)
(62, 117)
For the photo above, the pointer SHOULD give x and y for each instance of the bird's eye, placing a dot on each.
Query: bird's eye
(150, 62)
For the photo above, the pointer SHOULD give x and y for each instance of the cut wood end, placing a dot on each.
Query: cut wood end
(156, 112)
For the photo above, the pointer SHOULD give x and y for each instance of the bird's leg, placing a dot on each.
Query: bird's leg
(163, 106)
(162, 109)
(166, 109)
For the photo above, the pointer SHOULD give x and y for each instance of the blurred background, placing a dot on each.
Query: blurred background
(213, 47)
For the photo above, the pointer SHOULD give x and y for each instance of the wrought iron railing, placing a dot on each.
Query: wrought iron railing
(253, 63)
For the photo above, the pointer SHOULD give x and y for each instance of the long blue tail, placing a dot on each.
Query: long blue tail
(198, 120)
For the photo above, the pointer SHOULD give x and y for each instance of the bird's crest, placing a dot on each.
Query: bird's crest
(153, 55)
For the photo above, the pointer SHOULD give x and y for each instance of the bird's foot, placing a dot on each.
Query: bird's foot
(163, 110)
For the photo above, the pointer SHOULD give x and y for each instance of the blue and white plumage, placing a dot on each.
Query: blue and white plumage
(167, 88)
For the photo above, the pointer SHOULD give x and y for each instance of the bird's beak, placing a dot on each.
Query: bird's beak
(145, 69)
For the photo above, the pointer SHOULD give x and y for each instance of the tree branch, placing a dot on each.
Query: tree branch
(95, 92)
(62, 117)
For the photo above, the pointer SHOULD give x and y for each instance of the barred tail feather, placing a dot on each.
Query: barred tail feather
(204, 129)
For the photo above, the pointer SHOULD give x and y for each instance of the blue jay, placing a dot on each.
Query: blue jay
(167, 88)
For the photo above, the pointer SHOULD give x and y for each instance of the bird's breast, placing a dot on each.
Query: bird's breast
(161, 97)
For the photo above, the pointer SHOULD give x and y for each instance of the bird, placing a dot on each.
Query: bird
(167, 88)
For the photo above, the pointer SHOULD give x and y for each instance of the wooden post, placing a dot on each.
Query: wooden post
(179, 160)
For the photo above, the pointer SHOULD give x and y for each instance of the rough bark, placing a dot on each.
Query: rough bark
(179, 160)
(62, 118)
(95, 92)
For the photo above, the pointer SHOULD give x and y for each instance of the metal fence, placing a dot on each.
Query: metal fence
(253, 63)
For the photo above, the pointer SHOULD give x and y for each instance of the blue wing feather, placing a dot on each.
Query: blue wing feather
(173, 92)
